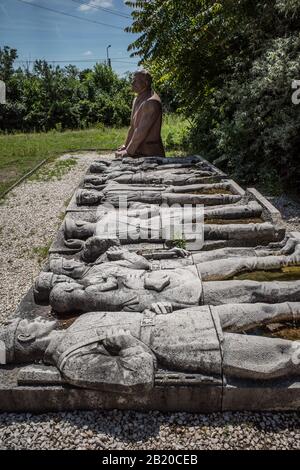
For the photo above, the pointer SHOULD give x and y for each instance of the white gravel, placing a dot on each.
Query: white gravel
(128, 430)
(30, 216)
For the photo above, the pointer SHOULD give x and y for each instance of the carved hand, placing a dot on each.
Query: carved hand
(161, 308)
(180, 252)
(118, 339)
(115, 253)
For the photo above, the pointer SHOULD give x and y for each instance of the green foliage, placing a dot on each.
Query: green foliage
(230, 65)
(19, 153)
(179, 242)
(41, 252)
(55, 170)
(61, 98)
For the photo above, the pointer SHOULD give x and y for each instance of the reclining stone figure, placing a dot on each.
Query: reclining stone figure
(135, 165)
(117, 286)
(176, 177)
(120, 353)
(115, 196)
(133, 227)
(153, 223)
(242, 261)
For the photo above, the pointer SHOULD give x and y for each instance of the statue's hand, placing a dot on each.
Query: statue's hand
(115, 253)
(180, 252)
(161, 308)
(118, 339)
(123, 147)
(121, 153)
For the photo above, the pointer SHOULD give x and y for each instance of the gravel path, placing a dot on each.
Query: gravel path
(128, 430)
(290, 211)
(30, 217)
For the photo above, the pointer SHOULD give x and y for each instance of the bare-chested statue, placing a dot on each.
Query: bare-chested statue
(144, 137)
(120, 353)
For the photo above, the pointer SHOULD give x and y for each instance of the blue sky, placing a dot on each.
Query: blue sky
(44, 34)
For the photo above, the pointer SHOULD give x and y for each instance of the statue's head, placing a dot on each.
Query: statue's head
(94, 180)
(44, 284)
(78, 229)
(141, 81)
(67, 297)
(68, 267)
(23, 340)
(98, 167)
(86, 197)
(97, 246)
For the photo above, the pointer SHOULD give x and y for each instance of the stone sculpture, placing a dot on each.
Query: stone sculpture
(146, 119)
(168, 177)
(175, 329)
(120, 353)
(117, 286)
(115, 197)
(135, 165)
(211, 266)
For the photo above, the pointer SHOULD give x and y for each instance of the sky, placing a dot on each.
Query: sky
(38, 33)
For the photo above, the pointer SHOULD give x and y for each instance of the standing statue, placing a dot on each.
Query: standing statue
(144, 137)
(120, 353)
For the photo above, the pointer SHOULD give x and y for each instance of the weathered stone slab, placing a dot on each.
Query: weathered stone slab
(201, 398)
(272, 396)
(138, 296)
(270, 212)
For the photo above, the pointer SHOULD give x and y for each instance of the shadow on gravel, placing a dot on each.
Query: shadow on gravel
(137, 427)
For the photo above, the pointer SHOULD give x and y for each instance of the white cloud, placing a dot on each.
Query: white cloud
(87, 53)
(98, 3)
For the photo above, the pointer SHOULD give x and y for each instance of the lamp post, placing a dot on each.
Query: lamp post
(108, 59)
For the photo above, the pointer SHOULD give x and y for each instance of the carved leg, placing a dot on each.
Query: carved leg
(243, 317)
(259, 358)
(241, 292)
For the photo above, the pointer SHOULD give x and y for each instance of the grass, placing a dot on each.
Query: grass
(19, 153)
(55, 170)
(41, 252)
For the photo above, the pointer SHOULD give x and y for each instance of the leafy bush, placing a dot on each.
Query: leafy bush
(230, 65)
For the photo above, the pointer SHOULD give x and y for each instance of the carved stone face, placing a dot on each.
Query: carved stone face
(95, 180)
(32, 338)
(78, 229)
(140, 82)
(88, 197)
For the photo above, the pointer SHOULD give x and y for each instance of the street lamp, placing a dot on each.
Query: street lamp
(108, 59)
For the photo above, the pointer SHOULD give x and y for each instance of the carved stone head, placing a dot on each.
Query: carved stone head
(26, 340)
(86, 197)
(78, 229)
(141, 81)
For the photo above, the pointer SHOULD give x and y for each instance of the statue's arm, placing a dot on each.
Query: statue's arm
(120, 364)
(131, 128)
(151, 111)
(128, 259)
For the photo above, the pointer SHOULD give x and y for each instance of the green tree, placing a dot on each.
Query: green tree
(231, 64)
